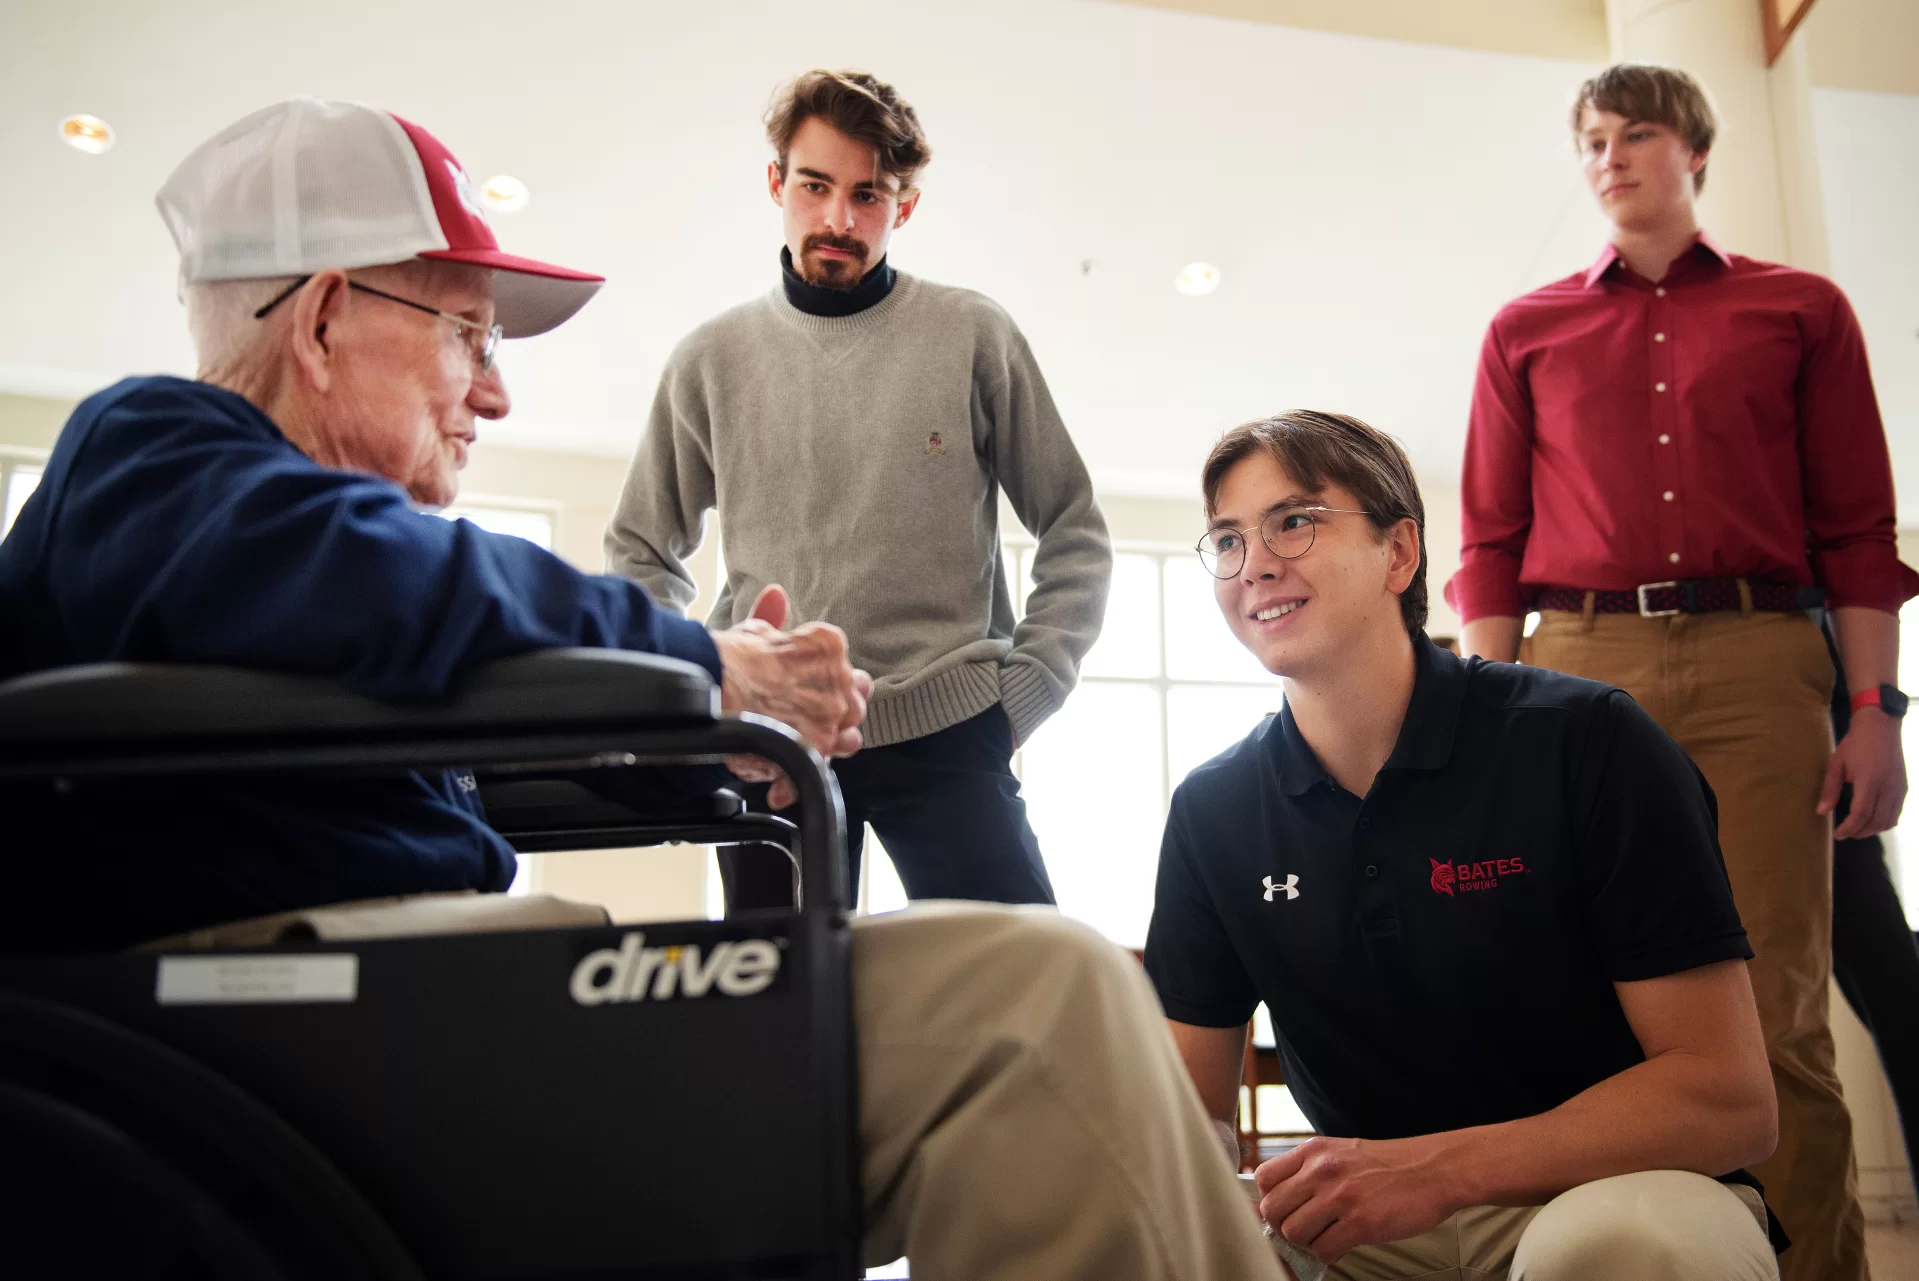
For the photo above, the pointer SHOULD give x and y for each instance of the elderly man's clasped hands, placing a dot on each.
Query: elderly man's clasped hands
(803, 678)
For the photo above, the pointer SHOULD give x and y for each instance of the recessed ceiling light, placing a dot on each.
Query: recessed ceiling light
(1197, 278)
(505, 193)
(87, 133)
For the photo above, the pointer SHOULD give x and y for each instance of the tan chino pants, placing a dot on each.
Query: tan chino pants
(1748, 697)
(1658, 1225)
(1023, 1113)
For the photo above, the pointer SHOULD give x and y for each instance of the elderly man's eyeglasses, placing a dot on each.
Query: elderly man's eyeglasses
(484, 347)
(1287, 531)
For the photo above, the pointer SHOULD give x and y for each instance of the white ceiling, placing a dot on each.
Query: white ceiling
(1370, 203)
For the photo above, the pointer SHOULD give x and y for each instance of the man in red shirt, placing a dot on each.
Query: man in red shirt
(1672, 456)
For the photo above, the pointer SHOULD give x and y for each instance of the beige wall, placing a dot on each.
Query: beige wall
(1574, 29)
(1871, 45)
(31, 421)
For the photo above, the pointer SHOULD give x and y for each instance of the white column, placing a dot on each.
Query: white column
(1805, 205)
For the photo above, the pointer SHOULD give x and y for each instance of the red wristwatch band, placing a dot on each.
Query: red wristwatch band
(1866, 698)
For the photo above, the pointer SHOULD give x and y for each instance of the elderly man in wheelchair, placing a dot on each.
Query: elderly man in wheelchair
(311, 672)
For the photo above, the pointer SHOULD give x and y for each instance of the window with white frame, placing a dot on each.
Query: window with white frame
(1166, 688)
(20, 471)
(1902, 842)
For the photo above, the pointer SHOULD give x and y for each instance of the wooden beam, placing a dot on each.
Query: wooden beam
(1781, 18)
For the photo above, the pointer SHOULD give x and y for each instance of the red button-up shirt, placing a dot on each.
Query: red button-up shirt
(1719, 424)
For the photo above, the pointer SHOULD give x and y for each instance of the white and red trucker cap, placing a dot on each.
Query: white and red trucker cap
(306, 184)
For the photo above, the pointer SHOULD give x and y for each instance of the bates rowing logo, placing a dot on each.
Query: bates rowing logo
(1453, 879)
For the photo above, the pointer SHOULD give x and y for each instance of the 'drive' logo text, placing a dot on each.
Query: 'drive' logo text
(635, 972)
(1451, 878)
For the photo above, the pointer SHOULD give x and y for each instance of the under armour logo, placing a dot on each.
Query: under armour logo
(1290, 889)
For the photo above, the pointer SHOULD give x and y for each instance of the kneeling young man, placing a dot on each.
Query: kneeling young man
(1484, 904)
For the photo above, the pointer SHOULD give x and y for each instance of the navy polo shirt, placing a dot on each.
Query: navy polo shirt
(1442, 952)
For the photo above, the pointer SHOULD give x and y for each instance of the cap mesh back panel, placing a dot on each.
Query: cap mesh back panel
(350, 177)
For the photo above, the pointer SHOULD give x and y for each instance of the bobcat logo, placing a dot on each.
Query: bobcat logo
(1290, 888)
(463, 188)
(1443, 877)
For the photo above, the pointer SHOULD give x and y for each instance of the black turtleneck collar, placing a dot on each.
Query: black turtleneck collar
(816, 301)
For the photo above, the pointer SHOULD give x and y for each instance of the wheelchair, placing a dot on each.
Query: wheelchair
(558, 1103)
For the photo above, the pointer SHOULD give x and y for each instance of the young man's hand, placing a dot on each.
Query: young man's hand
(1334, 1195)
(802, 678)
(1871, 758)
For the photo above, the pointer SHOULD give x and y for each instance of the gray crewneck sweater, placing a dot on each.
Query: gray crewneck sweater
(856, 460)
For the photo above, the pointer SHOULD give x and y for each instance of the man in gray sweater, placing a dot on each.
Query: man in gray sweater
(854, 428)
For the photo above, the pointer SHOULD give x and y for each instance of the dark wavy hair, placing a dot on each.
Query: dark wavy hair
(860, 106)
(1317, 447)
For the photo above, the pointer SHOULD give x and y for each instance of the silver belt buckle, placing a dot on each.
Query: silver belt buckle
(1645, 610)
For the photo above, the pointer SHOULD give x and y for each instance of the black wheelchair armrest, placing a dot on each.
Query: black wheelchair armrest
(115, 706)
(561, 708)
(513, 804)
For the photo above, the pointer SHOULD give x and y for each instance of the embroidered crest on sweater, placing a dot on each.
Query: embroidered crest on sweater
(935, 444)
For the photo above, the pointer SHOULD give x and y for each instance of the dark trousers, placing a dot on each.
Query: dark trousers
(1876, 963)
(1875, 953)
(947, 808)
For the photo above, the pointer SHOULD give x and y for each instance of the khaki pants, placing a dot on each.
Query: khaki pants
(1023, 1113)
(1748, 697)
(1660, 1225)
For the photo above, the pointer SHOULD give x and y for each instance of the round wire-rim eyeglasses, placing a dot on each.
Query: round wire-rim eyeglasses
(1282, 541)
(489, 345)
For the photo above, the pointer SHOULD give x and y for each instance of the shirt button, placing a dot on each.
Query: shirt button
(1659, 338)
(1372, 872)
(1660, 292)
(1668, 495)
(1674, 558)
(1659, 386)
(1365, 822)
(1665, 440)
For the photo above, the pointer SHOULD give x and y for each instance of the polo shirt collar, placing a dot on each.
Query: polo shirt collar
(1439, 687)
(1610, 255)
(1425, 738)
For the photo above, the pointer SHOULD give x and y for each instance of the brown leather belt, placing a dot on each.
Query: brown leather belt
(1683, 596)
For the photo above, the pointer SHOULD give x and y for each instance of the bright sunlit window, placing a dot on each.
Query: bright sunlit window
(533, 523)
(19, 477)
(1902, 842)
(1165, 689)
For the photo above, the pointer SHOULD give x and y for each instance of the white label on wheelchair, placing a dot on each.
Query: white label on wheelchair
(257, 980)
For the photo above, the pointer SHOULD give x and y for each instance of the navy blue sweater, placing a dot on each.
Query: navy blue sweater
(175, 523)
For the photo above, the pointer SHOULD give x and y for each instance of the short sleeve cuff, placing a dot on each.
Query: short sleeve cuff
(1485, 589)
(1199, 1014)
(1677, 958)
(1866, 577)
